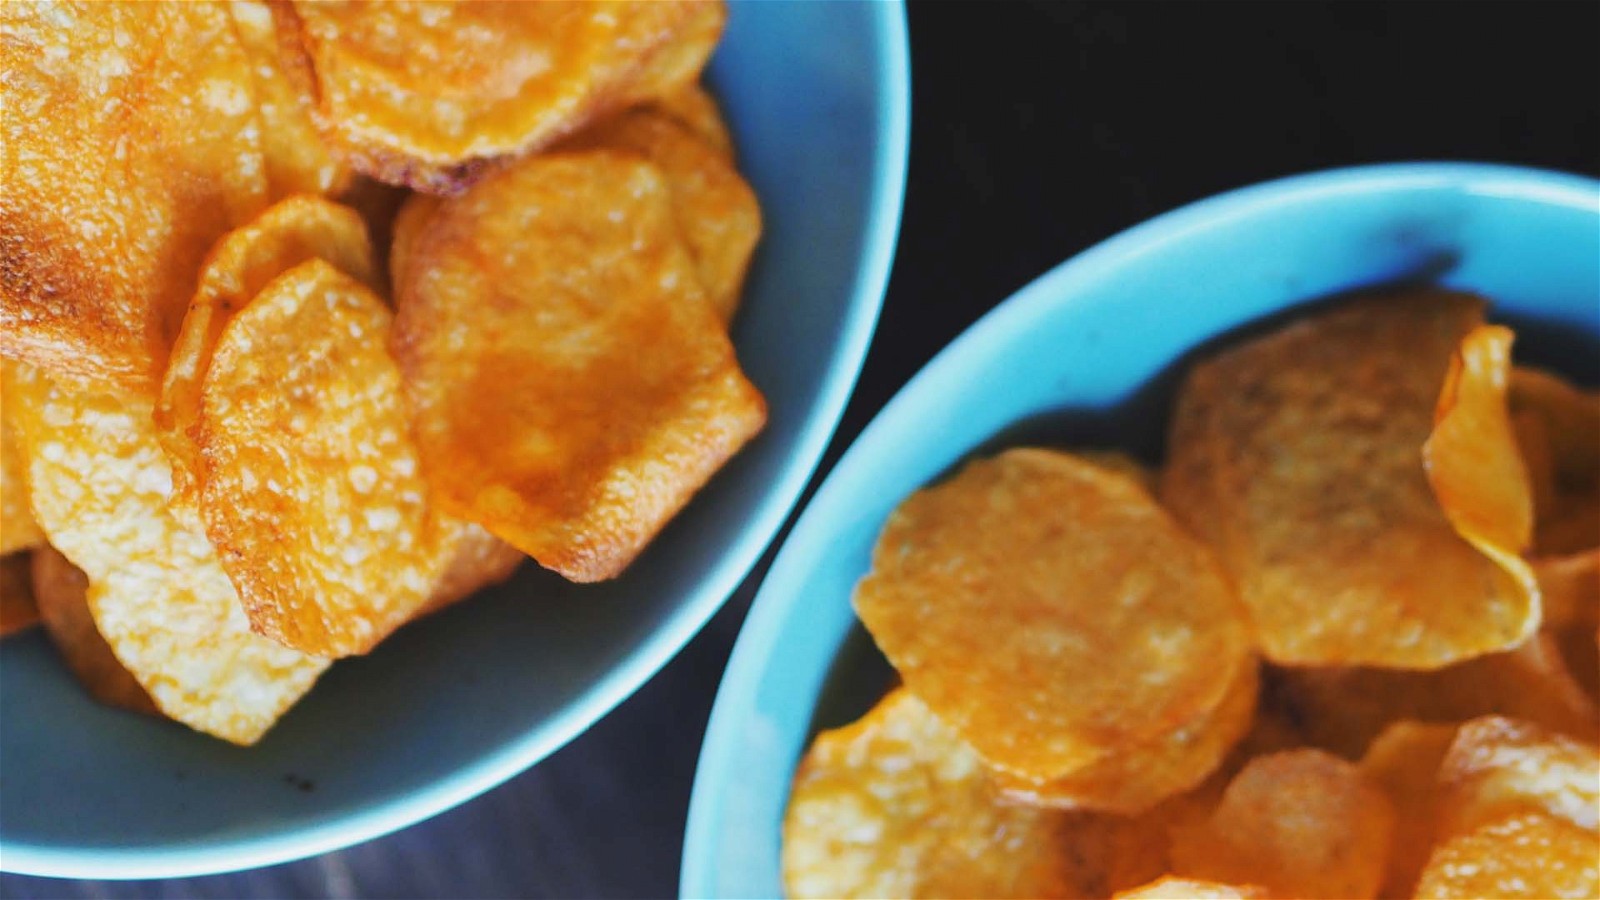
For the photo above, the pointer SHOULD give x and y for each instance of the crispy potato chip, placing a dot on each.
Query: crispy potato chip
(1174, 888)
(1499, 765)
(1518, 855)
(1134, 778)
(716, 211)
(570, 386)
(1117, 461)
(1051, 612)
(1301, 823)
(311, 490)
(63, 593)
(895, 805)
(414, 214)
(423, 94)
(159, 596)
(243, 262)
(1298, 455)
(1404, 761)
(1571, 434)
(17, 608)
(297, 160)
(18, 530)
(476, 559)
(130, 144)
(693, 107)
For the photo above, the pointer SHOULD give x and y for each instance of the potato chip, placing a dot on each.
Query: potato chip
(476, 559)
(1134, 778)
(130, 144)
(424, 94)
(158, 594)
(1571, 434)
(297, 160)
(716, 211)
(1518, 855)
(1499, 765)
(895, 805)
(570, 386)
(414, 214)
(1051, 612)
(1301, 823)
(243, 262)
(1569, 585)
(17, 608)
(63, 594)
(1174, 888)
(1298, 454)
(693, 107)
(1404, 761)
(311, 491)
(18, 530)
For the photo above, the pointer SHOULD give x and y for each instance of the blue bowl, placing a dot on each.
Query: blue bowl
(1085, 356)
(818, 98)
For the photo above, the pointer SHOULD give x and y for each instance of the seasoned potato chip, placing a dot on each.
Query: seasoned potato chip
(1134, 778)
(570, 386)
(475, 559)
(63, 594)
(423, 94)
(159, 596)
(1301, 823)
(129, 145)
(692, 106)
(1298, 454)
(297, 160)
(311, 489)
(896, 805)
(1174, 888)
(243, 262)
(17, 608)
(1404, 761)
(18, 530)
(1499, 765)
(1051, 612)
(716, 211)
(1517, 855)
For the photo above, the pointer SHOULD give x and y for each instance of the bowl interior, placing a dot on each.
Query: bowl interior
(1087, 356)
(816, 95)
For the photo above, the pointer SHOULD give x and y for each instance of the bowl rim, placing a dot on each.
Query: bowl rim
(865, 301)
(761, 633)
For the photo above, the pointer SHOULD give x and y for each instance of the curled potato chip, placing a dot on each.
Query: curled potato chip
(1301, 823)
(158, 594)
(1051, 612)
(1297, 454)
(715, 210)
(570, 386)
(297, 161)
(311, 491)
(243, 262)
(17, 608)
(1404, 761)
(18, 530)
(423, 94)
(1515, 856)
(692, 106)
(129, 145)
(63, 594)
(1498, 765)
(1169, 887)
(895, 805)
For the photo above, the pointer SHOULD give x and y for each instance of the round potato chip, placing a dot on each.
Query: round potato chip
(63, 594)
(18, 611)
(130, 143)
(18, 530)
(570, 385)
(1171, 888)
(311, 489)
(243, 262)
(1515, 856)
(693, 107)
(1051, 612)
(423, 94)
(895, 805)
(1404, 761)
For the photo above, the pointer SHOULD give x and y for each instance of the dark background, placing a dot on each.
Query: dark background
(1038, 129)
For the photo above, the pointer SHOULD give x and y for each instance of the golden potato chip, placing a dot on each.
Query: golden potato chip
(18, 530)
(715, 210)
(297, 160)
(423, 94)
(1117, 461)
(895, 805)
(129, 145)
(1051, 612)
(1134, 778)
(1571, 434)
(243, 262)
(1517, 855)
(311, 491)
(1404, 761)
(476, 559)
(1298, 455)
(1174, 888)
(63, 593)
(157, 592)
(570, 386)
(693, 107)
(17, 608)
(414, 214)
(1499, 765)
(1301, 823)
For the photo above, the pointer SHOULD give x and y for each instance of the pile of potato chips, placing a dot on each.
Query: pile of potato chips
(263, 404)
(1343, 644)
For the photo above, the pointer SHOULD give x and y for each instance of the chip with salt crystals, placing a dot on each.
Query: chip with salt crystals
(311, 489)
(130, 143)
(1169, 887)
(99, 483)
(693, 106)
(17, 608)
(18, 530)
(570, 385)
(1499, 765)
(424, 94)
(1051, 612)
(895, 805)
(1298, 454)
(1404, 761)
(1301, 823)
(63, 594)
(1518, 855)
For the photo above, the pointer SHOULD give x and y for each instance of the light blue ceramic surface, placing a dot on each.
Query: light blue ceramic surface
(1084, 355)
(817, 95)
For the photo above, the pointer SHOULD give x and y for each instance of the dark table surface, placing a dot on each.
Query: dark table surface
(1038, 130)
